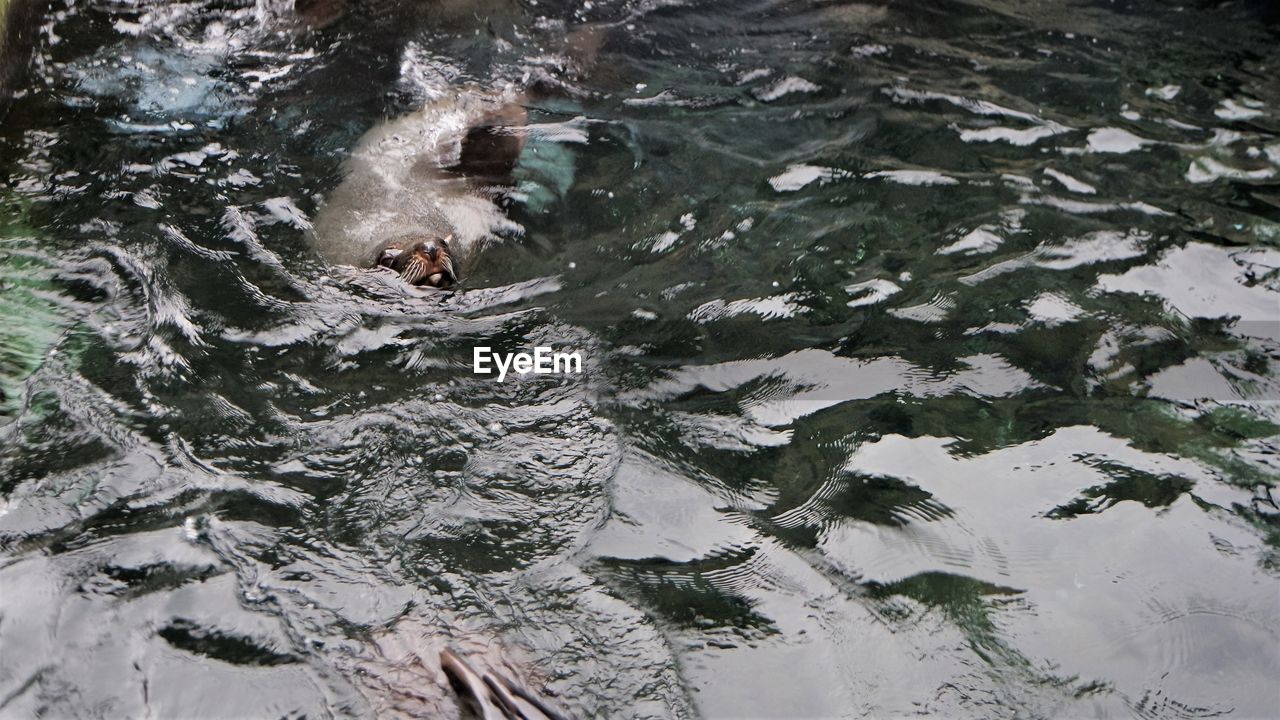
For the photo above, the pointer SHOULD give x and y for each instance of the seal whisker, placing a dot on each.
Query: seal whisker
(447, 264)
(414, 271)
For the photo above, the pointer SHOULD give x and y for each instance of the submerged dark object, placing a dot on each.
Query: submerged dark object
(492, 695)
(19, 30)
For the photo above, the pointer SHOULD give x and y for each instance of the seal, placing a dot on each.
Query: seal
(418, 196)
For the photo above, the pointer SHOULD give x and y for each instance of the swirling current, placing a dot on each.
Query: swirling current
(930, 364)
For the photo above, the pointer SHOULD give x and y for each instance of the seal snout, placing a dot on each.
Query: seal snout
(427, 261)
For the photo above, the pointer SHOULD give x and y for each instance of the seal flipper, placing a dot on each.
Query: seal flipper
(493, 695)
(492, 146)
(470, 687)
(497, 678)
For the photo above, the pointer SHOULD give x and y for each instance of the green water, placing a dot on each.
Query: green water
(930, 366)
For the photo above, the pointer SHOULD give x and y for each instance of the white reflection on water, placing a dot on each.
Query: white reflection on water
(1206, 281)
(1114, 579)
(806, 381)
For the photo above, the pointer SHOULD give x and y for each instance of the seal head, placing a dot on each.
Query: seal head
(420, 260)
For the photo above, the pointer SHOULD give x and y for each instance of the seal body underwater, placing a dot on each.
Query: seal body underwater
(419, 198)
(416, 197)
(434, 175)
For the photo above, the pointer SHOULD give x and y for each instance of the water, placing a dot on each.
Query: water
(930, 366)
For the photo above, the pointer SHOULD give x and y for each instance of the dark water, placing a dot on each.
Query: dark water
(931, 366)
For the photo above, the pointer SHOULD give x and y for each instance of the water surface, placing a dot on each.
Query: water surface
(931, 366)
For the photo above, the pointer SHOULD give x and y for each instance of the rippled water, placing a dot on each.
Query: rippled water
(931, 365)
